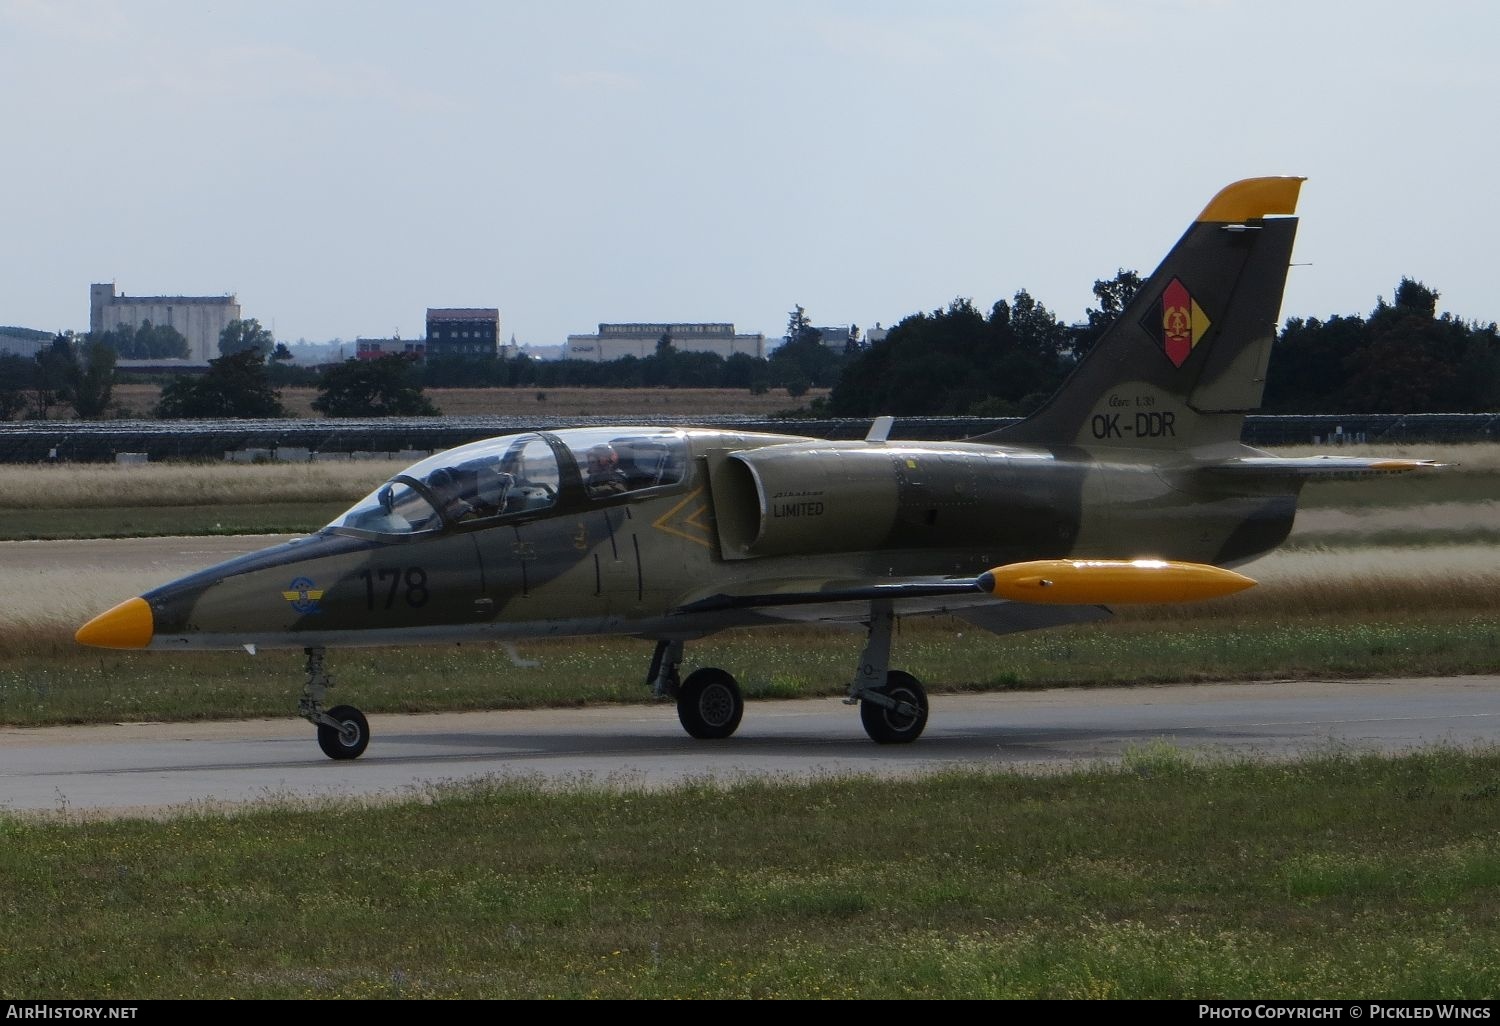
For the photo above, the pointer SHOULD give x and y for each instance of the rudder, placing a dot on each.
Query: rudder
(1186, 360)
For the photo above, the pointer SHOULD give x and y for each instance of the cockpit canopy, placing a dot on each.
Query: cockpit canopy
(519, 477)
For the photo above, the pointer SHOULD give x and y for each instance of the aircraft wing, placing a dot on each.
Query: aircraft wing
(1311, 468)
(804, 592)
(849, 602)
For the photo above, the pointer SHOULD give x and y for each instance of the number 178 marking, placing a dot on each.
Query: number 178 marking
(386, 582)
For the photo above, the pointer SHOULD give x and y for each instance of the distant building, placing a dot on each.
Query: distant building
(200, 319)
(463, 332)
(25, 342)
(615, 341)
(835, 337)
(375, 348)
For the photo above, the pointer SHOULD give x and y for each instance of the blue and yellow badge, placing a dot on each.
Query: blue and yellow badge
(303, 595)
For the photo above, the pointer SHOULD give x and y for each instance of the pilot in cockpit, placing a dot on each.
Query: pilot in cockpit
(603, 475)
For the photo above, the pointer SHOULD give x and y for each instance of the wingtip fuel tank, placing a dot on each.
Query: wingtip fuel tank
(1110, 581)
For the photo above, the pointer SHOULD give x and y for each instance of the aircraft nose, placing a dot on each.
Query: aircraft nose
(128, 625)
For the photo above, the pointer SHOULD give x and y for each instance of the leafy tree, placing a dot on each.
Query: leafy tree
(146, 341)
(54, 371)
(1410, 358)
(1307, 364)
(235, 386)
(1414, 298)
(281, 371)
(92, 379)
(797, 324)
(661, 368)
(1403, 358)
(17, 376)
(958, 361)
(385, 387)
(1114, 296)
(239, 336)
(803, 359)
(855, 343)
(741, 371)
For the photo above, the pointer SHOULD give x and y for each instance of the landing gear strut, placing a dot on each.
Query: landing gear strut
(892, 704)
(343, 731)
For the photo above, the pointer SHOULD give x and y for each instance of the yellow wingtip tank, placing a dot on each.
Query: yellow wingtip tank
(127, 625)
(1110, 581)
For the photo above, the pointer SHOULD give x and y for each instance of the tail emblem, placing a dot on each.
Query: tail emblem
(1176, 322)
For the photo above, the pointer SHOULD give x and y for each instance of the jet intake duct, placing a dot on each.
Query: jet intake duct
(796, 500)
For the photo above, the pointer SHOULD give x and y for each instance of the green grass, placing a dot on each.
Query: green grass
(1168, 877)
(54, 681)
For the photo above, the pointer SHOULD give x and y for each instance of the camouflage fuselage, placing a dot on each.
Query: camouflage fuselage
(750, 515)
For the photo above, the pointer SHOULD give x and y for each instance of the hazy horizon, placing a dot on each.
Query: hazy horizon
(341, 167)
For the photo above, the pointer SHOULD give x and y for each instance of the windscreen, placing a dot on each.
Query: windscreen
(493, 478)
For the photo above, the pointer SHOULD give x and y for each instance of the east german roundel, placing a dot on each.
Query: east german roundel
(1176, 322)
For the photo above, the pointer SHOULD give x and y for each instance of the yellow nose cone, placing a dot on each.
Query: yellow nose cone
(128, 625)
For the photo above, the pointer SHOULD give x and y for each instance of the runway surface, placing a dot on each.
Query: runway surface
(153, 768)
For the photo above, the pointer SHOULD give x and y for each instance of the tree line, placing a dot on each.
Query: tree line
(955, 361)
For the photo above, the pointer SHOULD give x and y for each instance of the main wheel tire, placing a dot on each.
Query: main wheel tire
(888, 726)
(349, 742)
(709, 704)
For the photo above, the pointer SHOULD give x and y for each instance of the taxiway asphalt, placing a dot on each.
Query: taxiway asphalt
(152, 768)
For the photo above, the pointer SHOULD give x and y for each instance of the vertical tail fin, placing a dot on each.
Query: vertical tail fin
(1187, 358)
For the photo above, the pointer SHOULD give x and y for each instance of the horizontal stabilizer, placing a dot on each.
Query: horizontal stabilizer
(1331, 468)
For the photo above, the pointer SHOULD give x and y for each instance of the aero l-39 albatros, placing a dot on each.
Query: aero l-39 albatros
(1129, 485)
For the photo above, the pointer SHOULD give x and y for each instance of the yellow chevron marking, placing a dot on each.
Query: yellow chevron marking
(692, 526)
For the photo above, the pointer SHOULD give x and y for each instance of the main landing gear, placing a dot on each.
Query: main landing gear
(343, 731)
(709, 703)
(892, 703)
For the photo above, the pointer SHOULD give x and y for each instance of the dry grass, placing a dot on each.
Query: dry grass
(1454, 517)
(1378, 580)
(105, 485)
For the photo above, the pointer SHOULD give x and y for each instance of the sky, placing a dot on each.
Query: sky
(342, 166)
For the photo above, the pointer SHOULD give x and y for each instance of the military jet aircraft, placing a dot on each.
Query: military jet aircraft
(1130, 484)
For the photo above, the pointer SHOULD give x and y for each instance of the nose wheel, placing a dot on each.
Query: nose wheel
(349, 738)
(343, 731)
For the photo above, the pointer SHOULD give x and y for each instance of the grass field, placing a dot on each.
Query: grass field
(1173, 875)
(1167, 877)
(1387, 587)
(46, 679)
